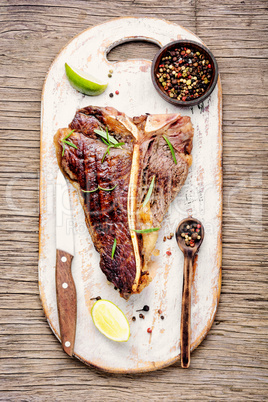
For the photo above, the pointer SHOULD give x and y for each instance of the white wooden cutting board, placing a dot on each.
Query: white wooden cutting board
(201, 197)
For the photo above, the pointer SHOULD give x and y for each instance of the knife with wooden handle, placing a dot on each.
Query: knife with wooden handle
(65, 286)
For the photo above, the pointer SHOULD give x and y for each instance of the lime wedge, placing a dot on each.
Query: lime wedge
(110, 320)
(83, 82)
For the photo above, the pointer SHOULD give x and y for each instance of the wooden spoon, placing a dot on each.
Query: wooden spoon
(189, 253)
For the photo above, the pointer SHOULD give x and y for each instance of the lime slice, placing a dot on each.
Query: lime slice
(110, 321)
(83, 82)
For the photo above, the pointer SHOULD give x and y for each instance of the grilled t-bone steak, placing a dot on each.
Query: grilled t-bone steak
(125, 189)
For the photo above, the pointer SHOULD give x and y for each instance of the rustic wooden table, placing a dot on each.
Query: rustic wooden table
(231, 363)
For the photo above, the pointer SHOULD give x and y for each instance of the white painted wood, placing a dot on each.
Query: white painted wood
(201, 197)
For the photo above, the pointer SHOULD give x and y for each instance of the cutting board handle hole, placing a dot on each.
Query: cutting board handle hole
(130, 48)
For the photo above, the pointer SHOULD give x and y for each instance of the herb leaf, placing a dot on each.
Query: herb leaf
(105, 153)
(171, 149)
(71, 144)
(106, 135)
(113, 249)
(99, 188)
(146, 230)
(149, 193)
(118, 145)
(109, 140)
(68, 135)
(90, 191)
(105, 142)
(67, 142)
(107, 189)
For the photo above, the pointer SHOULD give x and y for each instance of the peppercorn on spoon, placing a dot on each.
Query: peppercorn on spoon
(189, 246)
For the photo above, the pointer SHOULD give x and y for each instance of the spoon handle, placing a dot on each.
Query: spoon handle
(186, 310)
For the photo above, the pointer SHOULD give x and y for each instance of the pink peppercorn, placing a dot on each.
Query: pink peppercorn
(117, 92)
(168, 252)
(149, 330)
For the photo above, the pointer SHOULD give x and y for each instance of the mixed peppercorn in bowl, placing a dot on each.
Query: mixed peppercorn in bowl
(184, 72)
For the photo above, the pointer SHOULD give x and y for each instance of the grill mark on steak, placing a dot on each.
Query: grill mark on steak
(105, 211)
(110, 215)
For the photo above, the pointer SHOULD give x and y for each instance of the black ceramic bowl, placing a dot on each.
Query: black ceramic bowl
(197, 47)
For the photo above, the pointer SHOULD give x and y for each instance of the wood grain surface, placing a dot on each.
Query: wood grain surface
(66, 300)
(231, 363)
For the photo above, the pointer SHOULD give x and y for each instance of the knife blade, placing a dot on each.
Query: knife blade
(65, 286)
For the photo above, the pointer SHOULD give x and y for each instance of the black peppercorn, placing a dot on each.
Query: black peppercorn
(191, 66)
(145, 308)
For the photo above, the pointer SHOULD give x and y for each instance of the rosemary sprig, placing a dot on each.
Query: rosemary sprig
(149, 193)
(108, 140)
(107, 189)
(90, 191)
(171, 149)
(68, 135)
(99, 188)
(106, 135)
(111, 146)
(105, 142)
(64, 141)
(71, 144)
(113, 249)
(146, 230)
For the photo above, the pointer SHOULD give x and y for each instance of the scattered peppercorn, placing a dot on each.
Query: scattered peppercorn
(159, 311)
(111, 95)
(145, 308)
(162, 317)
(164, 239)
(133, 318)
(168, 252)
(141, 316)
(184, 73)
(96, 298)
(109, 75)
(117, 92)
(149, 330)
(111, 71)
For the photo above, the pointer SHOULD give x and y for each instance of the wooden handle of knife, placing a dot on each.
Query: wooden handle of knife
(186, 311)
(66, 300)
